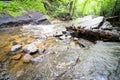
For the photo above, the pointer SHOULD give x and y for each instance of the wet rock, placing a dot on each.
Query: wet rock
(30, 48)
(106, 26)
(27, 58)
(38, 18)
(33, 18)
(17, 56)
(5, 19)
(16, 47)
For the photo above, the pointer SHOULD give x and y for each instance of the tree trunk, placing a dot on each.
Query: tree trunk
(84, 6)
(73, 10)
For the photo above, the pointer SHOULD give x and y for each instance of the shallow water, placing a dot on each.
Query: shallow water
(8, 38)
(63, 60)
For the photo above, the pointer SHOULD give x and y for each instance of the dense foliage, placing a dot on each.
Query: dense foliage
(17, 7)
(84, 7)
(62, 8)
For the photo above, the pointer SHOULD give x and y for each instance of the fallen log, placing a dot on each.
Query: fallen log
(93, 34)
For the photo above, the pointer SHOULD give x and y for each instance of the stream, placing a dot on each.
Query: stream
(63, 59)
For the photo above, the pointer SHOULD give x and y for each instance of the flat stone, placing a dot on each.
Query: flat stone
(30, 48)
(16, 47)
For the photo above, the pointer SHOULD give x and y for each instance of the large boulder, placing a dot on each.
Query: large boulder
(29, 18)
(89, 23)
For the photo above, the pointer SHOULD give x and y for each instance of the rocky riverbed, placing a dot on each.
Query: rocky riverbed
(48, 52)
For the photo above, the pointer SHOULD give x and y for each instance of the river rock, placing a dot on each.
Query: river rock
(92, 23)
(17, 56)
(38, 18)
(27, 58)
(30, 48)
(106, 26)
(29, 18)
(16, 47)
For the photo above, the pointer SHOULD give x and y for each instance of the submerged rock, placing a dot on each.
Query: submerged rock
(17, 57)
(30, 48)
(16, 47)
(27, 58)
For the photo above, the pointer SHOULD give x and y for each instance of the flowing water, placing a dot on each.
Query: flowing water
(62, 60)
